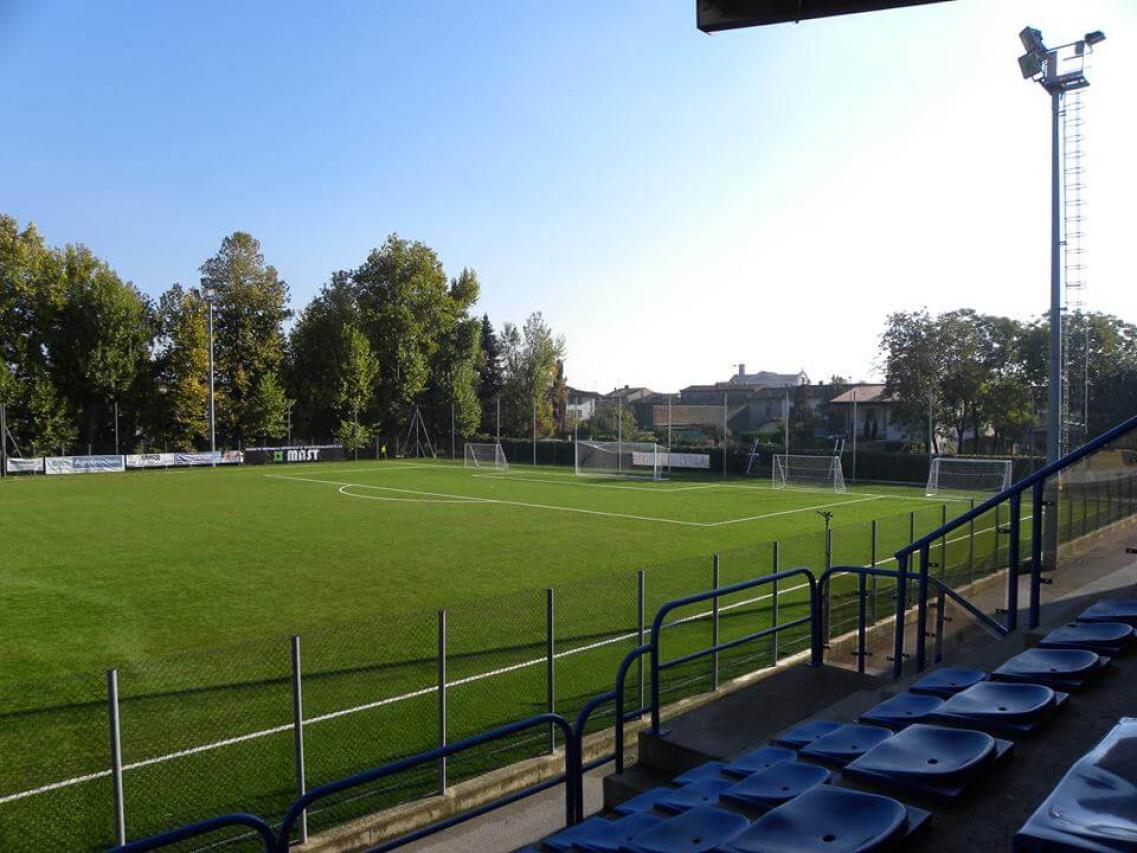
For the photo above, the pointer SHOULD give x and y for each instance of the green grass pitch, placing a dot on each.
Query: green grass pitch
(191, 581)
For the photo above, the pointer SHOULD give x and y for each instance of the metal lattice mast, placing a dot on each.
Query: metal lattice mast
(1075, 326)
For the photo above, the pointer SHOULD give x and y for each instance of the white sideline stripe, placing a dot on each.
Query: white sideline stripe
(159, 759)
(658, 490)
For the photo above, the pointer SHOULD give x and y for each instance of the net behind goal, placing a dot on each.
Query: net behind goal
(619, 458)
(819, 472)
(485, 455)
(963, 474)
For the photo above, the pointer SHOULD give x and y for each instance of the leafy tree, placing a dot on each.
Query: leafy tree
(250, 308)
(910, 354)
(558, 398)
(455, 362)
(604, 424)
(356, 386)
(181, 370)
(531, 355)
(53, 424)
(491, 376)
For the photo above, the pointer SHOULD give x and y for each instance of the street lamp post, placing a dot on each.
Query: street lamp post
(209, 296)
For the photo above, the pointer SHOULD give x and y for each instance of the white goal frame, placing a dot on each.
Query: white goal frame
(970, 474)
(818, 472)
(484, 455)
(632, 459)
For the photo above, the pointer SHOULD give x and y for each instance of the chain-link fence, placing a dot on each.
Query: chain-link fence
(245, 727)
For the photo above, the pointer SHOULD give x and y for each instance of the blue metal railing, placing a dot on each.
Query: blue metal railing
(1034, 482)
(657, 627)
(204, 827)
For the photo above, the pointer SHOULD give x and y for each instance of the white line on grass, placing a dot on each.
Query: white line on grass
(654, 489)
(159, 759)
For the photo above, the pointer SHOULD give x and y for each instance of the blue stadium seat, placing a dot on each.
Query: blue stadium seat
(1107, 638)
(614, 834)
(1094, 807)
(566, 838)
(1112, 610)
(775, 785)
(759, 759)
(1061, 669)
(1000, 706)
(930, 759)
(806, 733)
(902, 710)
(709, 770)
(696, 831)
(830, 819)
(644, 802)
(704, 792)
(947, 681)
(844, 744)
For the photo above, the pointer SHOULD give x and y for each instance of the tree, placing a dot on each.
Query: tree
(909, 349)
(250, 308)
(531, 356)
(53, 424)
(453, 386)
(181, 370)
(558, 398)
(356, 386)
(491, 376)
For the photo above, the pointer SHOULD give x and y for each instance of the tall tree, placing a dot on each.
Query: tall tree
(910, 354)
(531, 355)
(356, 386)
(250, 307)
(181, 370)
(491, 376)
(558, 398)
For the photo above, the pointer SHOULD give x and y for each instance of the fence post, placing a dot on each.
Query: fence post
(1013, 561)
(872, 565)
(442, 737)
(1085, 509)
(714, 622)
(943, 544)
(640, 628)
(298, 735)
(116, 757)
(898, 628)
(971, 547)
(911, 527)
(922, 608)
(1036, 552)
(941, 602)
(550, 678)
(774, 605)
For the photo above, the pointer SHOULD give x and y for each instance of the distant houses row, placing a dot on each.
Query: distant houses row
(755, 404)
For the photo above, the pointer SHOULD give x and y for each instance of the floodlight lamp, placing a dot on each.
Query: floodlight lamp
(1096, 37)
(1032, 41)
(1030, 65)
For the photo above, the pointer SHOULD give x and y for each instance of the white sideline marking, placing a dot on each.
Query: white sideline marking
(554, 508)
(160, 759)
(658, 490)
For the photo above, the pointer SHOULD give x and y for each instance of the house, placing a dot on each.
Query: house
(580, 405)
(875, 419)
(768, 379)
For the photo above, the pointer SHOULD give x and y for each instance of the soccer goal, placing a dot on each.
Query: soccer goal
(819, 472)
(641, 459)
(485, 455)
(968, 474)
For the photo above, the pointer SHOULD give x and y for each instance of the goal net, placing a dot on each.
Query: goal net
(619, 458)
(964, 474)
(819, 472)
(486, 455)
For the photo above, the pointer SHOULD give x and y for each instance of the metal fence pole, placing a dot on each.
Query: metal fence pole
(298, 735)
(774, 604)
(3, 441)
(943, 544)
(550, 677)
(714, 622)
(971, 546)
(116, 757)
(442, 782)
(872, 564)
(911, 527)
(640, 630)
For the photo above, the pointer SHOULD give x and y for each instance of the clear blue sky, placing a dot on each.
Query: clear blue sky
(674, 202)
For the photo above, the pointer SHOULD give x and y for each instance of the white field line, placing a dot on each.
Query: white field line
(653, 489)
(172, 756)
(554, 508)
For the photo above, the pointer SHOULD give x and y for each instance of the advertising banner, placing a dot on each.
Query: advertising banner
(83, 464)
(149, 460)
(291, 455)
(25, 466)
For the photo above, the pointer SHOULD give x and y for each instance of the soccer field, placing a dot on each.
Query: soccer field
(190, 582)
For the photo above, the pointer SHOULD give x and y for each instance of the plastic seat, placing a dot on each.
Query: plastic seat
(1094, 806)
(806, 733)
(1102, 637)
(696, 831)
(614, 834)
(825, 818)
(902, 710)
(947, 681)
(709, 770)
(846, 743)
(930, 759)
(775, 785)
(995, 701)
(704, 792)
(1112, 610)
(566, 839)
(759, 759)
(644, 802)
(1057, 668)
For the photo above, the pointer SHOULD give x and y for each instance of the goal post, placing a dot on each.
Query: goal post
(968, 474)
(485, 455)
(637, 459)
(818, 472)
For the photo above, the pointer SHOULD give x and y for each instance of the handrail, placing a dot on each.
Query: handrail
(203, 827)
(377, 773)
(1025, 483)
(657, 626)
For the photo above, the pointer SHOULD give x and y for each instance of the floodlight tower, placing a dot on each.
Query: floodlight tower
(1058, 70)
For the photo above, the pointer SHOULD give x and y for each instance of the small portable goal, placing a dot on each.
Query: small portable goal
(485, 455)
(968, 474)
(818, 472)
